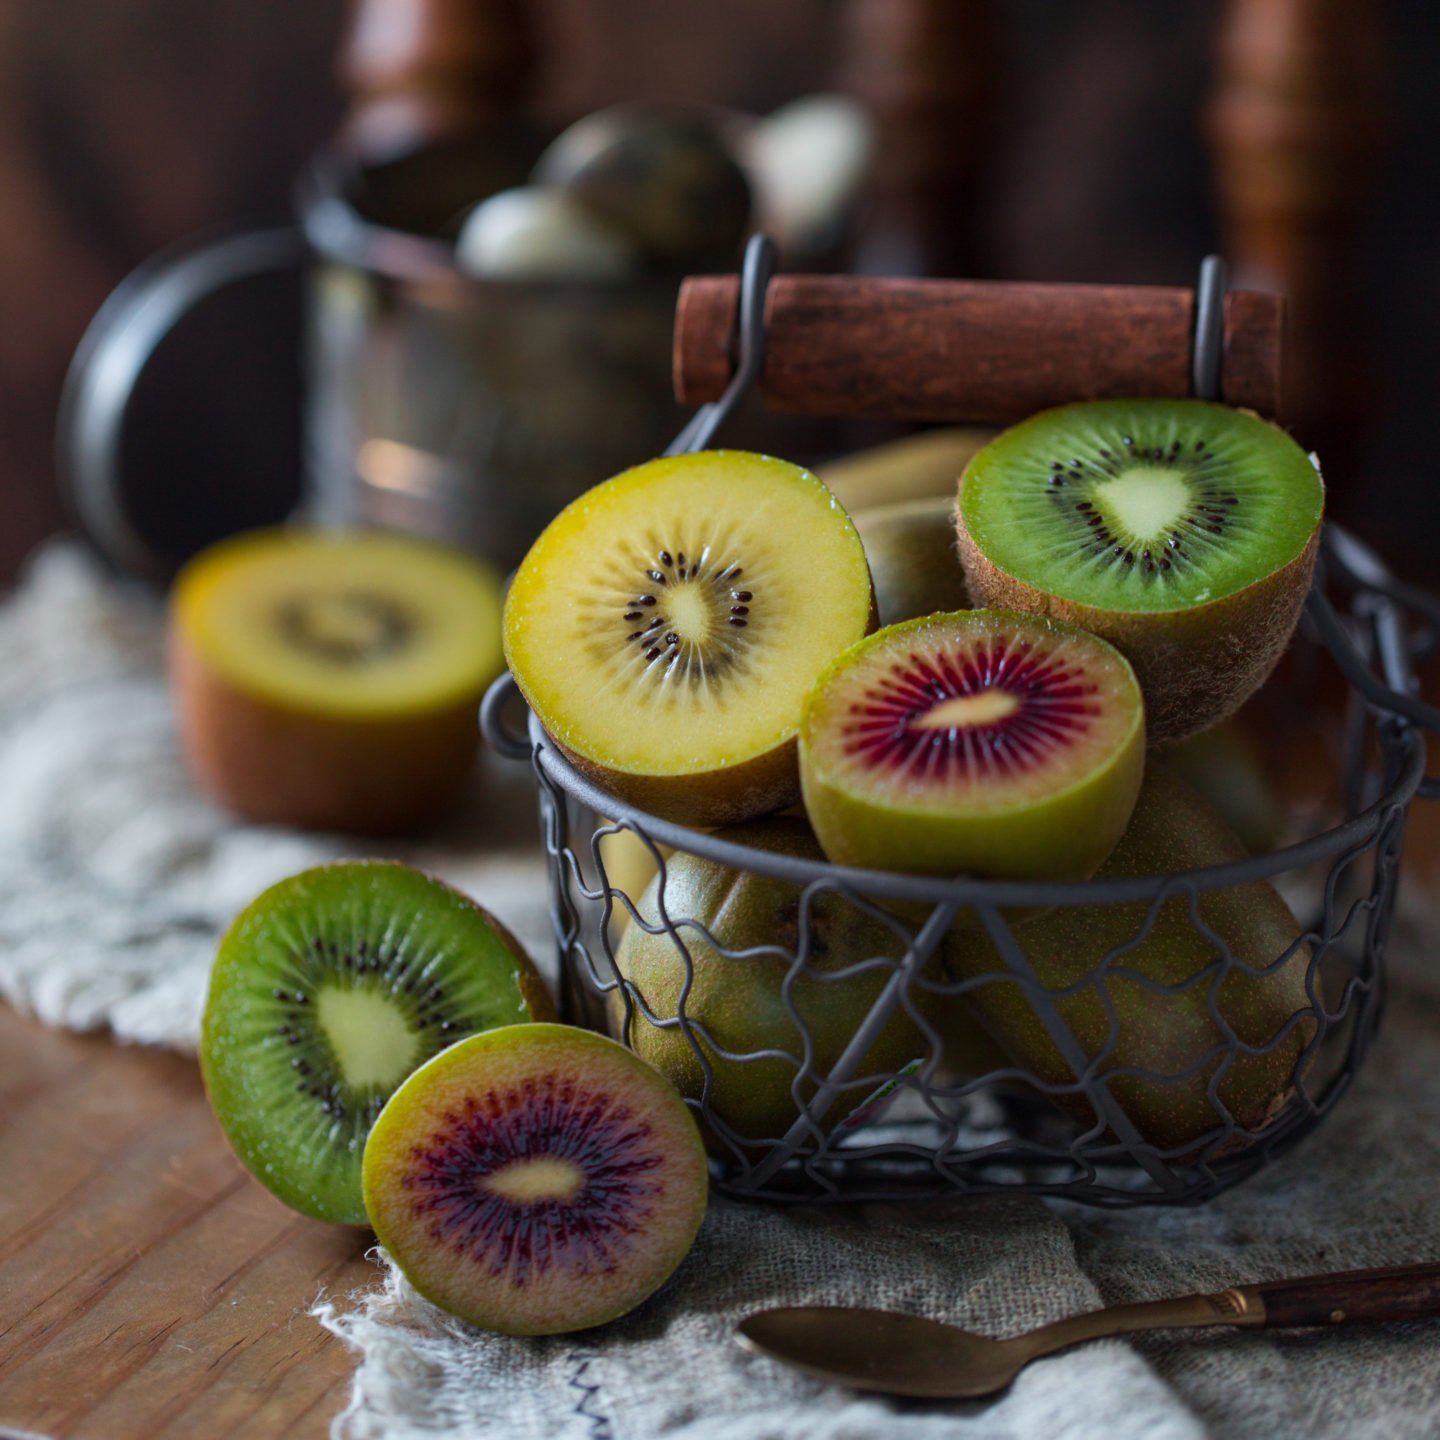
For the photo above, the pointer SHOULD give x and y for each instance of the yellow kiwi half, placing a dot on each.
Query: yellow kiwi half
(330, 679)
(666, 627)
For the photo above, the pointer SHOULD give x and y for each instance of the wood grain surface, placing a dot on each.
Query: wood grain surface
(982, 352)
(149, 1288)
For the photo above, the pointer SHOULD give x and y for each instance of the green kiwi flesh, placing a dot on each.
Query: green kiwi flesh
(740, 1001)
(1167, 1033)
(1181, 531)
(326, 992)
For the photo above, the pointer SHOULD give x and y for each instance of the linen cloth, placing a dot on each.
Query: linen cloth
(116, 879)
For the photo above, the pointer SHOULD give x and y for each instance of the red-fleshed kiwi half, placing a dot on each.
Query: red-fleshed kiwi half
(536, 1179)
(1185, 533)
(981, 741)
(666, 626)
(327, 991)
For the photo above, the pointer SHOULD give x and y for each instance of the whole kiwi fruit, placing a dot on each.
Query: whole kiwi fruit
(913, 565)
(741, 1002)
(1167, 1032)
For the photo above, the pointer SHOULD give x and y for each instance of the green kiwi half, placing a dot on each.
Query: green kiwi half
(327, 992)
(1183, 532)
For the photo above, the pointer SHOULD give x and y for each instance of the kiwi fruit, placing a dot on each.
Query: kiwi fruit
(1167, 1033)
(660, 174)
(330, 680)
(913, 564)
(327, 991)
(536, 1179)
(919, 467)
(666, 626)
(740, 1001)
(1227, 767)
(1183, 532)
(982, 741)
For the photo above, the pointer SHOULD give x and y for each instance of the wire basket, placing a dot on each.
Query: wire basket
(861, 1121)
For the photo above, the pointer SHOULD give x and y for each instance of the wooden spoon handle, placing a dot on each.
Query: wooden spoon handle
(987, 352)
(1402, 1292)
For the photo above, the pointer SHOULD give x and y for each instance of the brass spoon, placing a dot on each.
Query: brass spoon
(906, 1355)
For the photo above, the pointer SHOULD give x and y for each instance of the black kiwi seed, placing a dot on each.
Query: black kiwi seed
(693, 658)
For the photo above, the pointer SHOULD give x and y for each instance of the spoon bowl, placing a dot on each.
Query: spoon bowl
(885, 1351)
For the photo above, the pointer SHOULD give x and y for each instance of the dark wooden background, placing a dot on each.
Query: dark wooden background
(127, 124)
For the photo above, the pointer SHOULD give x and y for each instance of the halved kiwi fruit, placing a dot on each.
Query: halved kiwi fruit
(327, 991)
(666, 626)
(983, 741)
(1183, 532)
(330, 680)
(536, 1179)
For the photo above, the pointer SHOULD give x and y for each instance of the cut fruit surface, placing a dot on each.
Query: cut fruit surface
(1142, 504)
(365, 625)
(330, 680)
(1183, 532)
(666, 627)
(981, 741)
(327, 991)
(536, 1179)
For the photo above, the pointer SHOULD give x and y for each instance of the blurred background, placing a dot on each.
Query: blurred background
(1112, 140)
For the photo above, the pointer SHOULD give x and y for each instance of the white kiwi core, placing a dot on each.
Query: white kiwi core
(1146, 501)
(370, 1037)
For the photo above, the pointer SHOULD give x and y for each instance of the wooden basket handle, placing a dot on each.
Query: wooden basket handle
(974, 351)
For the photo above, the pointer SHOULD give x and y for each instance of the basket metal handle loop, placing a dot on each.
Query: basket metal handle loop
(498, 735)
(755, 272)
(1395, 692)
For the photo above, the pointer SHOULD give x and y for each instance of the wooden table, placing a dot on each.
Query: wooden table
(148, 1287)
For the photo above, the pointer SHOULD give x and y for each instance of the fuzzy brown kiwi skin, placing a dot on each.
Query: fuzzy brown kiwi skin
(727, 795)
(741, 1003)
(1196, 666)
(273, 765)
(1173, 829)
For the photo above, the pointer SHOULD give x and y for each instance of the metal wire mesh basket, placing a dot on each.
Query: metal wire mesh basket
(861, 1120)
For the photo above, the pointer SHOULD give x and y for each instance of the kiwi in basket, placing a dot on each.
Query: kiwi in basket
(330, 680)
(741, 1005)
(327, 991)
(666, 626)
(536, 1179)
(1183, 532)
(911, 550)
(983, 741)
(1169, 1032)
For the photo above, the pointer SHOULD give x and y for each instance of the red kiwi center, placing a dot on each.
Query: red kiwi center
(687, 612)
(546, 1174)
(998, 707)
(994, 705)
